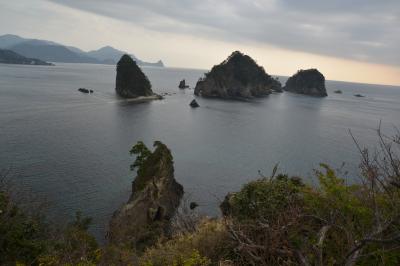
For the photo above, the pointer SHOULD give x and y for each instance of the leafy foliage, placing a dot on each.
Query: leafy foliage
(206, 245)
(277, 221)
(142, 153)
(22, 238)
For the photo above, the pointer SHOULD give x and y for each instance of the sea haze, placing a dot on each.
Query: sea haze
(73, 148)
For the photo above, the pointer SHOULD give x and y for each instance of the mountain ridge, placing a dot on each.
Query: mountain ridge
(55, 52)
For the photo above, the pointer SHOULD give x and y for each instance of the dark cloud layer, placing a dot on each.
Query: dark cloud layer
(365, 30)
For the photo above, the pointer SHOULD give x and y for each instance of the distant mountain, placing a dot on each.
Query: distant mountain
(75, 50)
(10, 40)
(54, 52)
(110, 55)
(10, 57)
(107, 53)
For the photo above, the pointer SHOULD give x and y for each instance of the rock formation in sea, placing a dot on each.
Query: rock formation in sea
(308, 82)
(131, 82)
(194, 104)
(155, 197)
(182, 84)
(237, 77)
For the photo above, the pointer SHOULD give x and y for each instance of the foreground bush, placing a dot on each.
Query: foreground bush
(280, 221)
(22, 237)
(205, 246)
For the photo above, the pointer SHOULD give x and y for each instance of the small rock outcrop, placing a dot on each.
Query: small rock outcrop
(155, 197)
(194, 104)
(237, 77)
(338, 91)
(359, 95)
(308, 82)
(84, 90)
(182, 84)
(131, 82)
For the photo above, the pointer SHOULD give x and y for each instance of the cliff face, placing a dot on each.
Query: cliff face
(238, 76)
(308, 82)
(131, 82)
(155, 197)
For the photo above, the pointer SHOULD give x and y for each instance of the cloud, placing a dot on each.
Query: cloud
(366, 30)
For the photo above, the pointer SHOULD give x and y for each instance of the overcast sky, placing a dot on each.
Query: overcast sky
(349, 40)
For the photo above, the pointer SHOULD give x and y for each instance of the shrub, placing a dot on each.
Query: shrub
(205, 246)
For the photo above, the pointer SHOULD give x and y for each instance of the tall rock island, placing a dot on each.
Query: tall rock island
(237, 77)
(155, 197)
(131, 82)
(308, 82)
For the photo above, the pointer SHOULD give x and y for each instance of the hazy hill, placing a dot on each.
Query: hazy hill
(107, 53)
(110, 55)
(10, 40)
(10, 57)
(54, 52)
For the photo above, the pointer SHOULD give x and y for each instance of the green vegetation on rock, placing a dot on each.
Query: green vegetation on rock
(155, 197)
(237, 77)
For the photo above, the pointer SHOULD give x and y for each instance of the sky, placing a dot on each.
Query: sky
(357, 40)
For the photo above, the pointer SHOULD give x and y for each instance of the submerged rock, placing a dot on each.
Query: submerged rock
(308, 82)
(131, 82)
(237, 77)
(182, 84)
(194, 104)
(338, 91)
(193, 205)
(155, 197)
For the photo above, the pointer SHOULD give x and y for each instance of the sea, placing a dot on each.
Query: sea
(72, 149)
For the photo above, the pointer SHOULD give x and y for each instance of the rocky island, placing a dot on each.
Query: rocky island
(308, 82)
(182, 84)
(194, 104)
(238, 77)
(131, 82)
(155, 197)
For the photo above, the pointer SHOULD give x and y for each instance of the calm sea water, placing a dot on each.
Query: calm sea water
(72, 148)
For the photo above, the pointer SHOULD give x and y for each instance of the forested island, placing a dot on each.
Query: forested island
(308, 82)
(238, 77)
